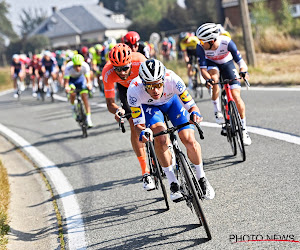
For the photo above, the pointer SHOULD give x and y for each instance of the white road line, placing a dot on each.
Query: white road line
(6, 92)
(262, 131)
(272, 89)
(65, 99)
(75, 225)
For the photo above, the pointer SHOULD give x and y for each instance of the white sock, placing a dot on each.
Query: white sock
(170, 174)
(216, 103)
(199, 171)
(244, 123)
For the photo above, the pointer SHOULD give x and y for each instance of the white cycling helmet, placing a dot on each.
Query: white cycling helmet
(47, 53)
(152, 70)
(208, 32)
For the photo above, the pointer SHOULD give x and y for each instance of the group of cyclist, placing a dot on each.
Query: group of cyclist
(147, 91)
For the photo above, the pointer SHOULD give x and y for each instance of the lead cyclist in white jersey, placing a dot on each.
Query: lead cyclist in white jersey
(215, 55)
(154, 92)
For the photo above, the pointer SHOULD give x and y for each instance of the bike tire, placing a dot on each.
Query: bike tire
(199, 85)
(82, 121)
(230, 138)
(238, 133)
(195, 191)
(157, 172)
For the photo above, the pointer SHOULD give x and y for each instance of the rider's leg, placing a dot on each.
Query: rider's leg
(138, 148)
(86, 103)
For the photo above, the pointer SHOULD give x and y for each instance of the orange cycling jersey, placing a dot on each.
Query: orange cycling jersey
(109, 76)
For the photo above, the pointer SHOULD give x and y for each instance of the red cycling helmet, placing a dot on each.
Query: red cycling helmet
(120, 55)
(84, 49)
(131, 38)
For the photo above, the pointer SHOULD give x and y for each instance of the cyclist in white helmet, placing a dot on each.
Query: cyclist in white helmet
(154, 92)
(215, 55)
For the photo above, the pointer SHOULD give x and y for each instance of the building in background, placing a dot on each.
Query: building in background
(232, 10)
(82, 24)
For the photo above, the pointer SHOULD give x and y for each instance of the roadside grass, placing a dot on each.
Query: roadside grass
(271, 69)
(5, 81)
(4, 202)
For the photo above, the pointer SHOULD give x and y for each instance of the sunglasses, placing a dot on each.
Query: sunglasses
(122, 68)
(154, 86)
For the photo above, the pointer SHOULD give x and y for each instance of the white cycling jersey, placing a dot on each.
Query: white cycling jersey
(71, 72)
(226, 51)
(137, 95)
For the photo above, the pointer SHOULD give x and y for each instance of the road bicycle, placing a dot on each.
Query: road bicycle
(20, 87)
(233, 122)
(196, 78)
(41, 89)
(52, 87)
(80, 112)
(189, 185)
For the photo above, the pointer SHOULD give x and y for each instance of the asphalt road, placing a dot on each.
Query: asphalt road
(257, 199)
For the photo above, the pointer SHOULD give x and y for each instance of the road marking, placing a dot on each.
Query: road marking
(75, 226)
(272, 89)
(6, 92)
(262, 131)
(65, 99)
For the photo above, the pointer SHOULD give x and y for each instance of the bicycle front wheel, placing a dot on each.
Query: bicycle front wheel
(157, 173)
(237, 128)
(228, 125)
(82, 121)
(194, 191)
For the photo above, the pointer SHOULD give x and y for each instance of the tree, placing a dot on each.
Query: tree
(36, 44)
(5, 24)
(30, 20)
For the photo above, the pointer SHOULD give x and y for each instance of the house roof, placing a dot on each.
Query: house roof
(78, 20)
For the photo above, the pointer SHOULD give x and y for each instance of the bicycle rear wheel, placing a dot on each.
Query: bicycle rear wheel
(228, 125)
(237, 128)
(192, 190)
(156, 172)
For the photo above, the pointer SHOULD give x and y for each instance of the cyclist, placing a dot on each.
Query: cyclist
(166, 49)
(216, 54)
(17, 70)
(77, 74)
(132, 39)
(49, 68)
(122, 67)
(188, 44)
(88, 58)
(34, 67)
(157, 91)
(99, 61)
(60, 59)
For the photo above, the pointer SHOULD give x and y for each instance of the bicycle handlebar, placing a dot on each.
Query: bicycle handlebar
(227, 81)
(121, 124)
(173, 129)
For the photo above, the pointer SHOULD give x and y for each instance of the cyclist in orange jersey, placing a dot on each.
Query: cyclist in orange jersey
(122, 68)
